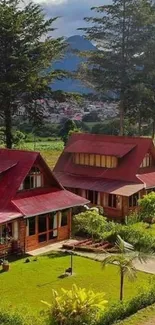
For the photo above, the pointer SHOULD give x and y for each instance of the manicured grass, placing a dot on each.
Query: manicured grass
(50, 157)
(56, 145)
(145, 316)
(50, 150)
(29, 283)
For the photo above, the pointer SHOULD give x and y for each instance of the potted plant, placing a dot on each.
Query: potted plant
(5, 265)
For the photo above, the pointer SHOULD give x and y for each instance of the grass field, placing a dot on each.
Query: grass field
(50, 150)
(29, 283)
(145, 316)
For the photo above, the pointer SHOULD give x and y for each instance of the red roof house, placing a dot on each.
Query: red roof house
(110, 171)
(34, 208)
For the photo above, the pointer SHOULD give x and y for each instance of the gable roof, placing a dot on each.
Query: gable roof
(130, 150)
(18, 164)
(14, 167)
(98, 147)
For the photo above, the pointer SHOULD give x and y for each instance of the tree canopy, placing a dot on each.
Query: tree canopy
(123, 32)
(26, 54)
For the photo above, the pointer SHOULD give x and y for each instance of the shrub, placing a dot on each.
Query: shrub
(91, 222)
(120, 310)
(13, 316)
(147, 205)
(76, 307)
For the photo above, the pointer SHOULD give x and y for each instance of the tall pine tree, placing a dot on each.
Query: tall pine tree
(121, 32)
(26, 54)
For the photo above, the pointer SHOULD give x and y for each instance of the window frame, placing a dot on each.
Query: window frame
(95, 160)
(34, 176)
(131, 200)
(113, 198)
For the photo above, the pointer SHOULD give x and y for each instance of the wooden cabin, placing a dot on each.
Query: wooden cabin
(35, 209)
(111, 171)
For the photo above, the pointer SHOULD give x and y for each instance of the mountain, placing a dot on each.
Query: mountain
(70, 62)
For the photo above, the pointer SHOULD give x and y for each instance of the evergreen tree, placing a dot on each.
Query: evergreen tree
(26, 54)
(121, 32)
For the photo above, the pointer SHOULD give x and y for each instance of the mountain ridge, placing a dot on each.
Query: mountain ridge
(70, 63)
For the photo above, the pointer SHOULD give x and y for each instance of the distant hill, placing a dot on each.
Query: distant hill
(70, 62)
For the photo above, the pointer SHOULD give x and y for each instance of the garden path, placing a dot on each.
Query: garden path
(148, 267)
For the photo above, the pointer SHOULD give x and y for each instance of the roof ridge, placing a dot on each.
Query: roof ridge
(113, 136)
(19, 150)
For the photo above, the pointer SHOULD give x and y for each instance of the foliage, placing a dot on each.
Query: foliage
(77, 306)
(18, 139)
(132, 218)
(68, 128)
(123, 261)
(112, 128)
(147, 206)
(91, 223)
(10, 315)
(26, 55)
(122, 310)
(139, 317)
(122, 31)
(91, 117)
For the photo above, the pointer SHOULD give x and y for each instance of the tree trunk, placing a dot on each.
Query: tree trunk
(121, 131)
(153, 129)
(121, 110)
(121, 285)
(8, 127)
(139, 123)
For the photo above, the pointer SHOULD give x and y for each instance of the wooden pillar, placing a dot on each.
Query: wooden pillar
(125, 206)
(58, 224)
(22, 234)
(69, 222)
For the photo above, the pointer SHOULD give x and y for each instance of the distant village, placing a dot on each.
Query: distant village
(55, 112)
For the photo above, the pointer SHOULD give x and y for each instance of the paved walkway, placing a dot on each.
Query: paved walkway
(148, 267)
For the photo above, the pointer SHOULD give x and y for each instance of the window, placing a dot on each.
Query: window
(42, 238)
(91, 160)
(32, 180)
(147, 161)
(64, 218)
(133, 200)
(92, 196)
(31, 226)
(150, 190)
(42, 224)
(47, 227)
(6, 230)
(112, 202)
(95, 160)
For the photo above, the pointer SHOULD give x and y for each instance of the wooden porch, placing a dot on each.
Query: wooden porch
(116, 207)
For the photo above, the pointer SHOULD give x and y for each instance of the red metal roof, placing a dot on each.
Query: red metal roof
(6, 164)
(128, 166)
(102, 185)
(98, 147)
(148, 179)
(48, 202)
(16, 164)
(9, 214)
(14, 176)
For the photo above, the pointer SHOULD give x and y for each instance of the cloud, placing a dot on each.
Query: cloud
(71, 12)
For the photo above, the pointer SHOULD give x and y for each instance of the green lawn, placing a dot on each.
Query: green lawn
(50, 150)
(142, 317)
(29, 283)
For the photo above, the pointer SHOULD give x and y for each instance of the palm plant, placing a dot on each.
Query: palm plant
(124, 261)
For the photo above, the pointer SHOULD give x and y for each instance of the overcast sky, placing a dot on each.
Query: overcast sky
(72, 13)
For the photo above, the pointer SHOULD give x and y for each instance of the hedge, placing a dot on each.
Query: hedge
(13, 316)
(122, 310)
